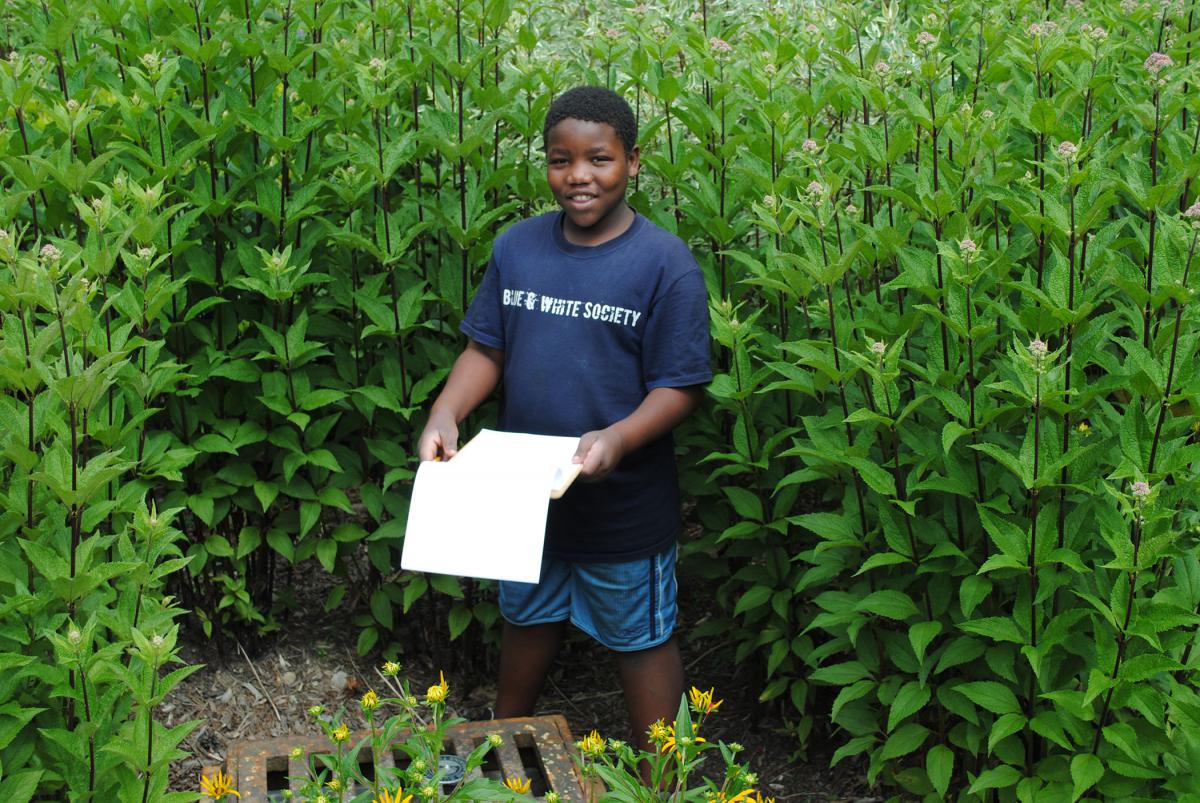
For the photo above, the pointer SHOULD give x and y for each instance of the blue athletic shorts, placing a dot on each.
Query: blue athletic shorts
(624, 606)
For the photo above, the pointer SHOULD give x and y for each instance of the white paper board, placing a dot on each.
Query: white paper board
(483, 513)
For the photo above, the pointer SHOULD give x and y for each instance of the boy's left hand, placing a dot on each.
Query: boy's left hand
(599, 451)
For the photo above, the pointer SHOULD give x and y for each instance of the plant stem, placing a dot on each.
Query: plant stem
(1166, 399)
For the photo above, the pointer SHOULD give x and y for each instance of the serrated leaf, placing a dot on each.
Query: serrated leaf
(910, 699)
(1086, 772)
(904, 741)
(991, 695)
(939, 766)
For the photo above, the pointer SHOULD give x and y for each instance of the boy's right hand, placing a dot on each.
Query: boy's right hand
(439, 440)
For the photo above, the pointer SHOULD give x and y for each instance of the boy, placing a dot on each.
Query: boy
(597, 321)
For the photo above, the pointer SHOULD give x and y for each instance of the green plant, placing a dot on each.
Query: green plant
(668, 773)
(417, 729)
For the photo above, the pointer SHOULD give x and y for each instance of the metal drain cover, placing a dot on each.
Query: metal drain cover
(534, 748)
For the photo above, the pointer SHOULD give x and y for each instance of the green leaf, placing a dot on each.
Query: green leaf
(381, 608)
(20, 787)
(754, 598)
(889, 603)
(1086, 772)
(950, 433)
(266, 493)
(904, 741)
(447, 585)
(1004, 726)
(911, 698)
(920, 635)
(974, 590)
(327, 550)
(746, 504)
(840, 674)
(1000, 777)
(281, 542)
(848, 694)
(368, 637)
(460, 618)
(995, 697)
(939, 766)
(997, 628)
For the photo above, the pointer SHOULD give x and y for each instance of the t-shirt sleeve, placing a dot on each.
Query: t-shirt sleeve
(675, 348)
(483, 322)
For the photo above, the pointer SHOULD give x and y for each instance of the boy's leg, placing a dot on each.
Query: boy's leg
(535, 619)
(526, 654)
(630, 608)
(652, 681)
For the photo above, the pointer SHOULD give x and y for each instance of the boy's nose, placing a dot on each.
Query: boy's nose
(578, 174)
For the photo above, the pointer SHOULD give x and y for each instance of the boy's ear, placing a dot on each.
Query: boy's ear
(635, 161)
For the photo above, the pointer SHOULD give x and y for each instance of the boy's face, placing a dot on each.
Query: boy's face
(587, 168)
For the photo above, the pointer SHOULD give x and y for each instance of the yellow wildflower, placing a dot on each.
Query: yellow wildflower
(740, 797)
(437, 693)
(334, 785)
(669, 743)
(218, 786)
(341, 733)
(592, 744)
(391, 669)
(518, 786)
(369, 701)
(758, 798)
(1084, 428)
(392, 797)
(297, 753)
(702, 701)
(658, 732)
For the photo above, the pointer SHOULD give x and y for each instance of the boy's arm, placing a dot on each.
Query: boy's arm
(475, 374)
(661, 411)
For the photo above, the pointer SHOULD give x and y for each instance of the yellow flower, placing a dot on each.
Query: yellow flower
(391, 669)
(758, 798)
(341, 733)
(334, 785)
(369, 701)
(392, 797)
(592, 744)
(437, 693)
(1084, 428)
(702, 701)
(297, 753)
(669, 743)
(218, 786)
(517, 786)
(740, 797)
(658, 732)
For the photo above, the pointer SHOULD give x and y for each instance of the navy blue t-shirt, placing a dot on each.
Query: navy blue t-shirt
(587, 333)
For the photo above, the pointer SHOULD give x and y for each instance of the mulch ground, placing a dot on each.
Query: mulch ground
(263, 689)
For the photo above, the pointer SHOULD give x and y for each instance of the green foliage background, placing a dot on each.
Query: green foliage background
(948, 471)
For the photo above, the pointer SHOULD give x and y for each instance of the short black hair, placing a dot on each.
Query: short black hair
(596, 104)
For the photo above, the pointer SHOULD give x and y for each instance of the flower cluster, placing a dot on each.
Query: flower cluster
(1192, 214)
(1157, 62)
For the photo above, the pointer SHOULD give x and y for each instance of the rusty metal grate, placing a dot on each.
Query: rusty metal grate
(537, 748)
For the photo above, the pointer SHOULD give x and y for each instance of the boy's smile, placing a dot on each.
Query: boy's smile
(588, 169)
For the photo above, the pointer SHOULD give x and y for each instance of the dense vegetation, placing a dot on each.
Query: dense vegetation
(947, 474)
